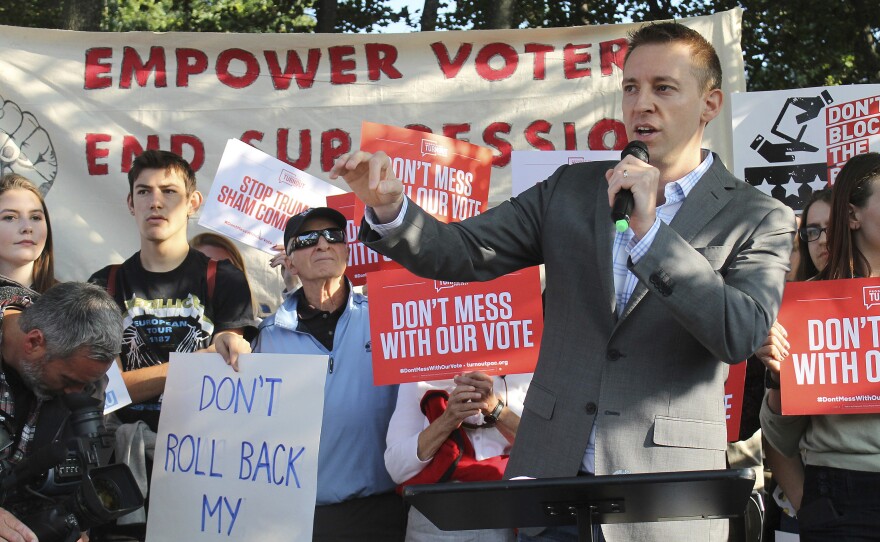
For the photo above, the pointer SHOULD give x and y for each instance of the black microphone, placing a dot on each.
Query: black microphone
(623, 200)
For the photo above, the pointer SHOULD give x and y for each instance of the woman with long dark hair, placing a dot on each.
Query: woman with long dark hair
(854, 245)
(841, 453)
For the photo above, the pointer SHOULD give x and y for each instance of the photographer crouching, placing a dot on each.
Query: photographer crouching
(56, 348)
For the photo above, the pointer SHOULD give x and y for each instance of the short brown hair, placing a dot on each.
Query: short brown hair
(166, 161)
(708, 66)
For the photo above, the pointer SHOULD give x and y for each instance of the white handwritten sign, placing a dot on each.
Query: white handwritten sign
(237, 452)
(116, 394)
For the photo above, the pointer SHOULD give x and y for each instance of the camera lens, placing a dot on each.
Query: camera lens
(108, 493)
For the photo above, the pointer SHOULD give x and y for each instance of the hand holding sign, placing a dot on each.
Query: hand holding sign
(372, 179)
(775, 348)
(230, 345)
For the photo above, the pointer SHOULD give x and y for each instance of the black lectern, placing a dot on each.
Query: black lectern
(585, 500)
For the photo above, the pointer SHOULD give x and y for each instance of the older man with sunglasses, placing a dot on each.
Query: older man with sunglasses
(356, 499)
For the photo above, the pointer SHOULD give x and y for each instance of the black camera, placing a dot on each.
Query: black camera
(64, 489)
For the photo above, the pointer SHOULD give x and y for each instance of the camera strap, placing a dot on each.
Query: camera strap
(8, 428)
(7, 434)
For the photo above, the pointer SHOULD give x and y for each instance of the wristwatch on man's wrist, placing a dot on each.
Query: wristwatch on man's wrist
(492, 417)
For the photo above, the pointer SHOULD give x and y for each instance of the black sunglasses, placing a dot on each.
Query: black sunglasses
(308, 239)
(811, 233)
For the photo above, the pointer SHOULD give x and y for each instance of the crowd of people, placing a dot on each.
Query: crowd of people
(639, 324)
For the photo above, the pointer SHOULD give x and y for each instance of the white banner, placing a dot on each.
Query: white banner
(237, 452)
(79, 106)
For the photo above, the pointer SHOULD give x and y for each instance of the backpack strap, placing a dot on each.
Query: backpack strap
(212, 279)
(111, 280)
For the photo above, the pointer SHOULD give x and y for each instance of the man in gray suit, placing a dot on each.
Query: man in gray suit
(639, 324)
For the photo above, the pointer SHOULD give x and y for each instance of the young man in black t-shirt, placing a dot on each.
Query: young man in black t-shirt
(174, 299)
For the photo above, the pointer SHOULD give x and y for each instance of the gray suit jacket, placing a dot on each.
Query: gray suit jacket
(709, 289)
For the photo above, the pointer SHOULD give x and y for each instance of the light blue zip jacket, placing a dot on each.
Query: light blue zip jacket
(356, 413)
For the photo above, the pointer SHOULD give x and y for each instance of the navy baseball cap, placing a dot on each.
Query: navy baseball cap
(294, 223)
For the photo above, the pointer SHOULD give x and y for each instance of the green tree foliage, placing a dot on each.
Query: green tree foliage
(31, 13)
(251, 15)
(483, 14)
(806, 43)
(367, 15)
(208, 15)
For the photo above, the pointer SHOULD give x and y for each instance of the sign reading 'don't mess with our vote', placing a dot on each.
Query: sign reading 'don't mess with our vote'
(253, 195)
(423, 329)
(237, 452)
(446, 177)
(834, 363)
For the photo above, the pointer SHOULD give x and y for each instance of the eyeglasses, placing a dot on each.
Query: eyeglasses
(308, 239)
(811, 233)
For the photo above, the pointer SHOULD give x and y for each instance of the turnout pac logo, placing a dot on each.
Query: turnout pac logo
(25, 147)
(290, 178)
(433, 148)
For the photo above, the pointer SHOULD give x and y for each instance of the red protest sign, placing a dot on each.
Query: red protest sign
(446, 177)
(834, 363)
(734, 388)
(423, 329)
(361, 259)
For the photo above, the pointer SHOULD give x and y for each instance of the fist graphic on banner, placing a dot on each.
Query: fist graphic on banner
(25, 147)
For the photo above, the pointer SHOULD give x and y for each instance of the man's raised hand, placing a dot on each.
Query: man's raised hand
(372, 180)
